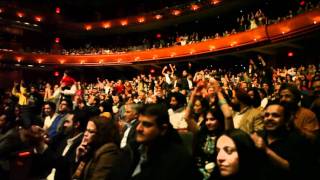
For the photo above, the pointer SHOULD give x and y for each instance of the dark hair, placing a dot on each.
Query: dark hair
(243, 97)
(250, 158)
(293, 89)
(157, 110)
(51, 104)
(69, 103)
(160, 111)
(107, 106)
(67, 72)
(107, 131)
(181, 99)
(29, 118)
(82, 118)
(286, 110)
(256, 101)
(262, 91)
(204, 103)
(218, 115)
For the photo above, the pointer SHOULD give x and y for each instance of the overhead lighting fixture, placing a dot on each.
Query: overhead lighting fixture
(106, 25)
(158, 16)
(214, 2)
(124, 22)
(194, 7)
(176, 12)
(88, 27)
(141, 19)
(38, 18)
(20, 14)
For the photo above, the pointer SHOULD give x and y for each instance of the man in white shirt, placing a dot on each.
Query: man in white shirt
(176, 111)
(49, 110)
(131, 115)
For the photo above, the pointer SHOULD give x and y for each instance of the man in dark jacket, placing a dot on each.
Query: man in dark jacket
(160, 154)
(57, 159)
(131, 118)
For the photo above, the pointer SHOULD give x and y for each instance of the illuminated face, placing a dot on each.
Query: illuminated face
(286, 96)
(197, 106)
(227, 157)
(273, 117)
(63, 107)
(251, 94)
(89, 133)
(211, 122)
(173, 102)
(147, 129)
(47, 110)
(129, 113)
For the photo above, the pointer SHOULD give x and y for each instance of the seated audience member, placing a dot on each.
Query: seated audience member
(247, 117)
(56, 160)
(50, 114)
(160, 153)
(289, 154)
(99, 151)
(302, 118)
(237, 157)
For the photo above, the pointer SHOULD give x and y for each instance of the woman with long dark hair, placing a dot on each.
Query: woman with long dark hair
(98, 151)
(206, 139)
(237, 157)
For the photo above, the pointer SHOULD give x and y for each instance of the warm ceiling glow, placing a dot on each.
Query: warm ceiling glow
(88, 27)
(62, 61)
(106, 25)
(141, 19)
(233, 43)
(194, 7)
(1, 10)
(19, 58)
(155, 56)
(212, 47)
(82, 62)
(215, 2)
(39, 60)
(124, 22)
(176, 12)
(38, 18)
(158, 16)
(101, 61)
(20, 14)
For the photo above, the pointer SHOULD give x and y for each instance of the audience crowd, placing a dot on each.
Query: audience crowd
(186, 123)
(239, 23)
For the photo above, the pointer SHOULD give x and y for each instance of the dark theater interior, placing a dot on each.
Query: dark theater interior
(159, 89)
